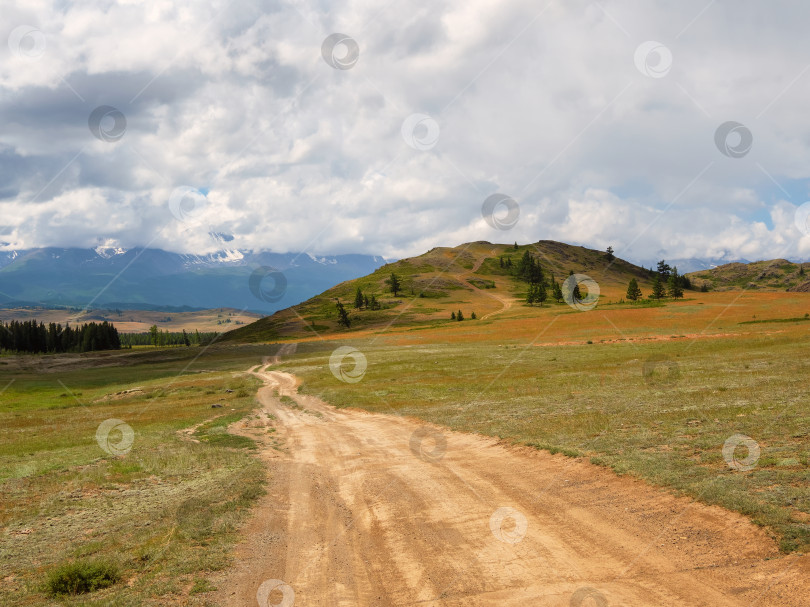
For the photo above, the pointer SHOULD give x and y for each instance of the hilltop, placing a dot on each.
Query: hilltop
(468, 277)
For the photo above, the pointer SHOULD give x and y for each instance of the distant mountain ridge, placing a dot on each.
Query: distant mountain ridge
(146, 278)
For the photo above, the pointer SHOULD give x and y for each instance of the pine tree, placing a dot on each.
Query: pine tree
(536, 275)
(373, 304)
(556, 291)
(658, 288)
(343, 316)
(530, 295)
(365, 301)
(525, 265)
(516, 246)
(395, 284)
(576, 294)
(473, 316)
(664, 270)
(540, 293)
(609, 254)
(674, 288)
(633, 290)
(452, 315)
(358, 299)
(459, 315)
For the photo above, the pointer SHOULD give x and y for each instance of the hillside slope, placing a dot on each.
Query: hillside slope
(772, 275)
(468, 277)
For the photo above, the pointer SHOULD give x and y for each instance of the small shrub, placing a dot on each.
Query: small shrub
(82, 576)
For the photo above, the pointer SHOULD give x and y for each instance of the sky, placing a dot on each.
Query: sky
(666, 130)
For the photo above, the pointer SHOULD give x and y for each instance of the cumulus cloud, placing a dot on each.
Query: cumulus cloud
(542, 102)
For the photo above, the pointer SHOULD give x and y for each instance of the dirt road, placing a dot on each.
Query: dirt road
(368, 509)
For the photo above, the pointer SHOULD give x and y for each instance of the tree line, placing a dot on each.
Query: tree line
(160, 338)
(666, 283)
(364, 301)
(32, 337)
(35, 337)
(529, 270)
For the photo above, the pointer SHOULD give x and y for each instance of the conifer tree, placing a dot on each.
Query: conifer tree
(633, 290)
(343, 316)
(394, 283)
(664, 270)
(540, 293)
(556, 291)
(674, 288)
(576, 292)
(658, 289)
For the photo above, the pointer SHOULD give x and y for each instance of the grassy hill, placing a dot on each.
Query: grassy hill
(773, 275)
(468, 277)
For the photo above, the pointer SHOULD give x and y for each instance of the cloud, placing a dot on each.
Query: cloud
(543, 103)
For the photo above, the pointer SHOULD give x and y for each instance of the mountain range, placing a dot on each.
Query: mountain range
(145, 278)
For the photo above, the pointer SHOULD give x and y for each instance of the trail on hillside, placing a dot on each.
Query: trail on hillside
(506, 302)
(371, 509)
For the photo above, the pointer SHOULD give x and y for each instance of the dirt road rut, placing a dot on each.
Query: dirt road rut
(368, 509)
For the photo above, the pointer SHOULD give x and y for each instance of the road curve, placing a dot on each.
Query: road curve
(369, 509)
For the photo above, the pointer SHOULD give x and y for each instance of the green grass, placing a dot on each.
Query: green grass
(166, 513)
(595, 401)
(767, 320)
(79, 577)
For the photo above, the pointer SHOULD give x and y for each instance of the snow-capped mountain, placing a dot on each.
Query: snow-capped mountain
(111, 276)
(108, 251)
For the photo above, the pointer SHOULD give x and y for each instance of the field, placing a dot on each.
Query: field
(659, 392)
(159, 507)
(650, 392)
(138, 321)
